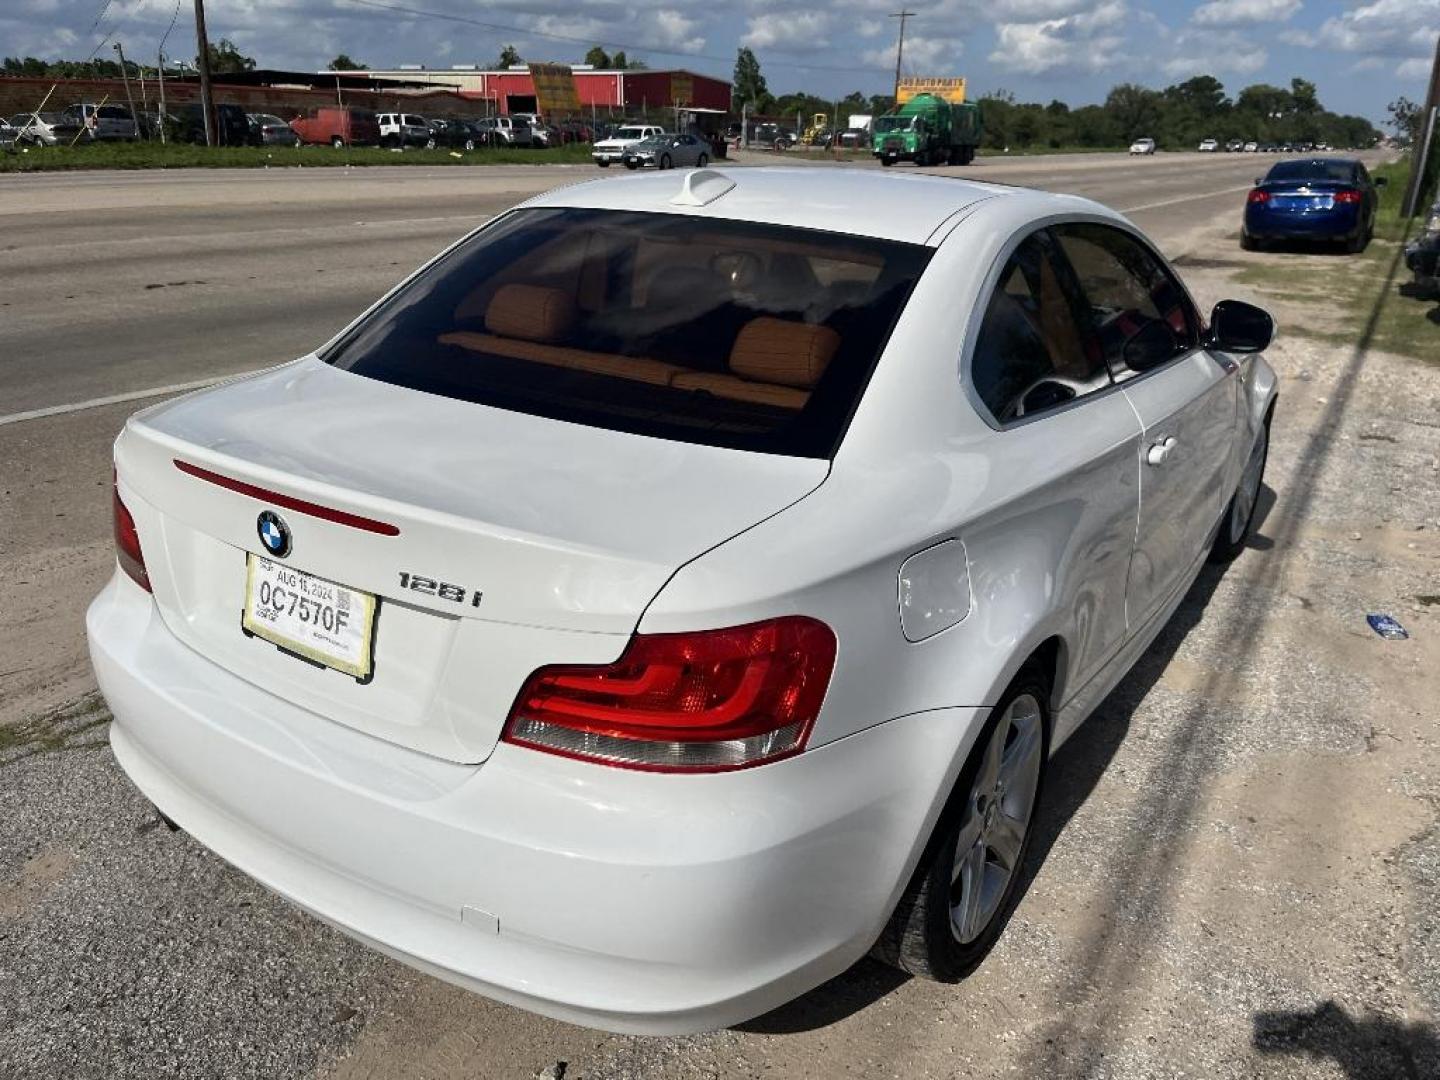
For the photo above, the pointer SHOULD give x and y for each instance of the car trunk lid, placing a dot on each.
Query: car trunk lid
(551, 537)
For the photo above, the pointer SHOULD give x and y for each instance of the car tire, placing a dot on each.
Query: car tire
(603, 164)
(1239, 519)
(887, 162)
(469, 144)
(955, 907)
(702, 161)
(665, 162)
(1248, 242)
(338, 143)
(633, 164)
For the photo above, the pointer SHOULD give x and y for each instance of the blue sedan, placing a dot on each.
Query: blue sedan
(1327, 199)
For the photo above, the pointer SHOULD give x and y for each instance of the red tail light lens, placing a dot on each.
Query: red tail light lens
(700, 702)
(1349, 195)
(127, 545)
(1258, 196)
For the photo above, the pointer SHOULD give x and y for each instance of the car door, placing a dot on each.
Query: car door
(1062, 470)
(1185, 398)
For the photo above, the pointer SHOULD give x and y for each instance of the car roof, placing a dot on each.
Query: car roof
(860, 202)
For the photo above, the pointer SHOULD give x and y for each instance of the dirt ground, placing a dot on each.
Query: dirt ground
(1236, 873)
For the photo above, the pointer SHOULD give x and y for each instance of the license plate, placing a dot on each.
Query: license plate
(317, 620)
(1305, 202)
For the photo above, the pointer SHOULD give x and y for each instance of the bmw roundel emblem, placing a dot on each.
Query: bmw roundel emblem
(274, 534)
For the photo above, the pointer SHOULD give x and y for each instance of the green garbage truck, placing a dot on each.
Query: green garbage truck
(928, 130)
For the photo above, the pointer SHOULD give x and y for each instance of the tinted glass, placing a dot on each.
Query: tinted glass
(1031, 354)
(717, 332)
(1286, 171)
(112, 112)
(1126, 289)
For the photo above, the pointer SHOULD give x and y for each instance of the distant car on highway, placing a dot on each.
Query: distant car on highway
(1326, 199)
(266, 129)
(1252, 147)
(1143, 146)
(667, 152)
(1209, 146)
(674, 591)
(1234, 146)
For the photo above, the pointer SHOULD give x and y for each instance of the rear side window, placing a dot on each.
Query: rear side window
(719, 332)
(112, 112)
(1031, 354)
(1136, 310)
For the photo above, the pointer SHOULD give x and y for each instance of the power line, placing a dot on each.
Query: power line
(627, 46)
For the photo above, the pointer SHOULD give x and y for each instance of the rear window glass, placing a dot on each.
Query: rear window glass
(718, 332)
(112, 112)
(1342, 171)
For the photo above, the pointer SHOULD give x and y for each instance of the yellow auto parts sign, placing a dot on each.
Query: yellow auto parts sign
(951, 90)
(555, 93)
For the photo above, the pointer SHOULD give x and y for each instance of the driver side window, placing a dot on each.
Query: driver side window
(1138, 312)
(1030, 355)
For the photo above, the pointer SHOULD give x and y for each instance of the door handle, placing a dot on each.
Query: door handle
(1159, 451)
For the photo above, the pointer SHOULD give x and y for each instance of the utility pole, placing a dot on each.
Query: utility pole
(125, 75)
(207, 103)
(902, 15)
(160, 67)
(1420, 152)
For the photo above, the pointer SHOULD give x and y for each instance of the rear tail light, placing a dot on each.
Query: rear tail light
(1258, 196)
(698, 702)
(1349, 195)
(127, 545)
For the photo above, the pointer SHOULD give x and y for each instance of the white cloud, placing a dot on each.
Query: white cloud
(1417, 67)
(675, 30)
(1244, 12)
(923, 56)
(793, 29)
(1205, 52)
(1303, 39)
(1385, 28)
(1087, 41)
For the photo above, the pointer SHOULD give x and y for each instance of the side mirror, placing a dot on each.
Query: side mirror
(1150, 346)
(1381, 181)
(1238, 327)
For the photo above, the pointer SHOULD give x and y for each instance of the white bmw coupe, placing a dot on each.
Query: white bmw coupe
(672, 592)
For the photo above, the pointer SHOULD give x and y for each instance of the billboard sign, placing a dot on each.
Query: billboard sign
(951, 90)
(555, 93)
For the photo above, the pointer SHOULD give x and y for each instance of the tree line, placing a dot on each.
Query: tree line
(1177, 116)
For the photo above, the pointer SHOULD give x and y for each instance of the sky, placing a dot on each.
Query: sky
(1361, 55)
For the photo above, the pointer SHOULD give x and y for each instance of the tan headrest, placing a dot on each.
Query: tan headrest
(787, 353)
(531, 313)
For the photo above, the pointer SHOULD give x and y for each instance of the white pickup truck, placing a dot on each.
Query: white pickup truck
(613, 148)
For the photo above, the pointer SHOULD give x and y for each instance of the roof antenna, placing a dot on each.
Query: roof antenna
(702, 187)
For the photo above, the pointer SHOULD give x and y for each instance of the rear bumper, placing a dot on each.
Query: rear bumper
(1335, 224)
(628, 901)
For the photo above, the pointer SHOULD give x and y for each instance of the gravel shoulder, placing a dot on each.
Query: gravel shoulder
(1237, 872)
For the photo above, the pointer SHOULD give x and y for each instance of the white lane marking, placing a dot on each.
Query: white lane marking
(117, 399)
(1185, 198)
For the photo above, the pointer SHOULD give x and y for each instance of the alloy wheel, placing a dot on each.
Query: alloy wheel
(996, 819)
(1243, 505)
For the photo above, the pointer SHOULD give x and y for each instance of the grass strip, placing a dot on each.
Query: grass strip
(144, 155)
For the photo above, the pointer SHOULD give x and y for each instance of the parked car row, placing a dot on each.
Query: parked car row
(1240, 146)
(328, 125)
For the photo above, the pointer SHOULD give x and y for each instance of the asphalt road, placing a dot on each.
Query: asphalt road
(1238, 863)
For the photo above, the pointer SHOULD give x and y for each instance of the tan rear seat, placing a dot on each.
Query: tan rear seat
(638, 369)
